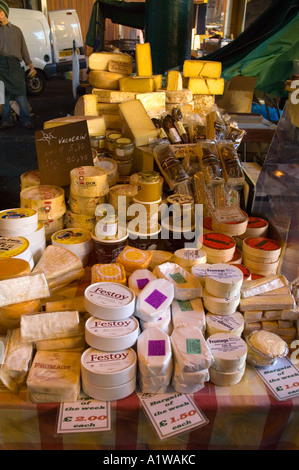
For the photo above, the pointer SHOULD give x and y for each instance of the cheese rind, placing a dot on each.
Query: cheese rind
(23, 288)
(206, 86)
(174, 81)
(50, 325)
(202, 68)
(100, 60)
(105, 79)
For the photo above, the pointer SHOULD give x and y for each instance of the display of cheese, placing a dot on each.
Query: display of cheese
(13, 267)
(60, 266)
(154, 299)
(154, 353)
(190, 349)
(188, 313)
(54, 376)
(220, 305)
(23, 288)
(138, 124)
(202, 69)
(16, 361)
(101, 60)
(95, 124)
(206, 86)
(50, 325)
(174, 81)
(139, 279)
(144, 64)
(186, 285)
(105, 79)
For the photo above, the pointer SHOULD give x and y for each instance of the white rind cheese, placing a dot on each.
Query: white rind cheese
(188, 313)
(50, 325)
(220, 305)
(154, 299)
(23, 288)
(139, 279)
(186, 285)
(229, 351)
(190, 349)
(223, 280)
(154, 353)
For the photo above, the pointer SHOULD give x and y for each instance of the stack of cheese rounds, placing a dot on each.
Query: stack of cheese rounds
(261, 255)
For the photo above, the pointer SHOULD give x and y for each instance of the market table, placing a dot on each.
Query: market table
(243, 417)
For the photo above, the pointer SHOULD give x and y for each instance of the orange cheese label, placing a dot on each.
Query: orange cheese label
(246, 272)
(256, 222)
(261, 243)
(217, 241)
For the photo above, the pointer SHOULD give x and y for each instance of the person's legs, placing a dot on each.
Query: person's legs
(25, 117)
(6, 113)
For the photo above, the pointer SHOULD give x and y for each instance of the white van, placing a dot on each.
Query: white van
(50, 44)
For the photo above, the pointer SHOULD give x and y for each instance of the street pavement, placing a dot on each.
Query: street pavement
(17, 145)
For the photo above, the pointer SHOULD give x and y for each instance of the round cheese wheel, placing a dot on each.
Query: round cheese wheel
(246, 271)
(113, 335)
(188, 257)
(232, 229)
(12, 267)
(109, 393)
(220, 305)
(109, 301)
(226, 379)
(89, 181)
(229, 351)
(218, 246)
(256, 227)
(48, 201)
(223, 280)
(19, 221)
(16, 247)
(233, 324)
(261, 247)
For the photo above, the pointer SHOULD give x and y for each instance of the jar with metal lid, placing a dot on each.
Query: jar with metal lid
(98, 142)
(123, 148)
(111, 137)
(150, 185)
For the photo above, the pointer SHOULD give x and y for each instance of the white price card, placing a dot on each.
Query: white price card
(282, 379)
(86, 414)
(171, 413)
(228, 214)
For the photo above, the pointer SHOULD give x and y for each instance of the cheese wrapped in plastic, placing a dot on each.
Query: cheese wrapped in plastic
(23, 289)
(50, 325)
(186, 285)
(265, 348)
(139, 279)
(16, 362)
(188, 313)
(190, 349)
(189, 382)
(154, 353)
(61, 344)
(54, 377)
(154, 299)
(263, 285)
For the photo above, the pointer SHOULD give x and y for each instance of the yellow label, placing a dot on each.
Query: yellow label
(111, 270)
(10, 247)
(71, 236)
(134, 255)
(19, 213)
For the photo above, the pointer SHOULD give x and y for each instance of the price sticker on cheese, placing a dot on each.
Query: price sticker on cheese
(171, 413)
(85, 415)
(282, 379)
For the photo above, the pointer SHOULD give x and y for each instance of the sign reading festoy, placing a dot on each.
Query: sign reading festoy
(60, 149)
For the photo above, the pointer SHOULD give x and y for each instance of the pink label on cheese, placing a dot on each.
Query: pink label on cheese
(141, 283)
(156, 299)
(156, 347)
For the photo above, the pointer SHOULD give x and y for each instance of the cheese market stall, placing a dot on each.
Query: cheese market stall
(172, 329)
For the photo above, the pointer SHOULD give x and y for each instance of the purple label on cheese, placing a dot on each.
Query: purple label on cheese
(156, 299)
(141, 283)
(156, 347)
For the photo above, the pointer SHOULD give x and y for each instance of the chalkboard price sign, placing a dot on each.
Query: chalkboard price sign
(60, 149)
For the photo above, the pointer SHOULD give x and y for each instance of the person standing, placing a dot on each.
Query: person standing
(13, 51)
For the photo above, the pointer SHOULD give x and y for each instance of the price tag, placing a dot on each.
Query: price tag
(171, 413)
(87, 414)
(282, 379)
(228, 215)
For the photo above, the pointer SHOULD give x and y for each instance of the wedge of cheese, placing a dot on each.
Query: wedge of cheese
(137, 122)
(174, 81)
(101, 60)
(87, 105)
(153, 102)
(144, 64)
(202, 69)
(60, 266)
(206, 86)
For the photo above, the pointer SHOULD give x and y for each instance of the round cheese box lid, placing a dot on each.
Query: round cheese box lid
(261, 247)
(108, 369)
(229, 351)
(111, 335)
(109, 301)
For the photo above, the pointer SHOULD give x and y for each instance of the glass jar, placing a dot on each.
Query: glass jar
(123, 148)
(98, 142)
(110, 139)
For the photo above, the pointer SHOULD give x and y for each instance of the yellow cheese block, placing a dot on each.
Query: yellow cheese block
(206, 86)
(107, 108)
(144, 64)
(105, 79)
(142, 84)
(87, 105)
(154, 102)
(202, 69)
(177, 97)
(132, 259)
(174, 81)
(120, 67)
(112, 96)
(100, 60)
(95, 124)
(139, 125)
(113, 272)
